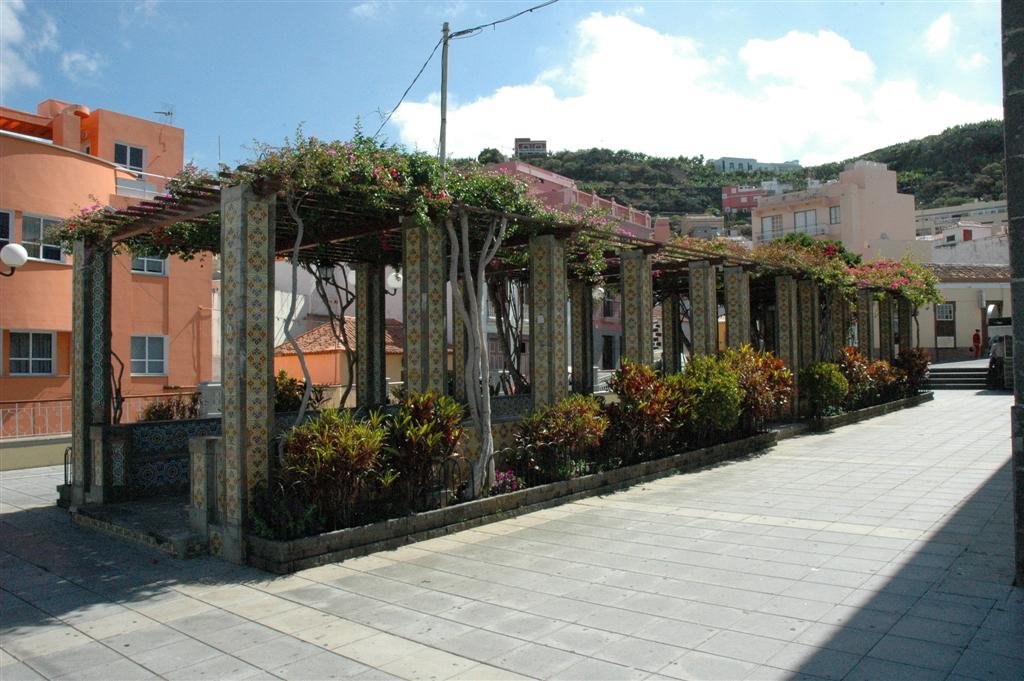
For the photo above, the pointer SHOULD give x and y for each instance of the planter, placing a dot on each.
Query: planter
(288, 556)
(830, 422)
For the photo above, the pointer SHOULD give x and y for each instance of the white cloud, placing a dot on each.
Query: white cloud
(17, 54)
(370, 9)
(973, 62)
(628, 86)
(938, 35)
(141, 11)
(81, 67)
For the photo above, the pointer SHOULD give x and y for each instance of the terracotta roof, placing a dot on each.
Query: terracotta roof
(321, 339)
(954, 272)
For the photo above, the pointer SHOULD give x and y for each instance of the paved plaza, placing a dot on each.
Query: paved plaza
(879, 551)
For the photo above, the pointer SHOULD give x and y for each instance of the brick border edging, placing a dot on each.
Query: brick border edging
(283, 557)
(830, 422)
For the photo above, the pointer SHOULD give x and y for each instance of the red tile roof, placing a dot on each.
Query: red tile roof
(955, 272)
(321, 339)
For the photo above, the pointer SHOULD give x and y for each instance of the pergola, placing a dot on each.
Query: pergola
(260, 224)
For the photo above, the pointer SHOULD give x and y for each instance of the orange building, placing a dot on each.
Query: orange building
(57, 161)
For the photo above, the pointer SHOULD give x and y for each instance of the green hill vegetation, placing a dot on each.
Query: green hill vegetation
(960, 164)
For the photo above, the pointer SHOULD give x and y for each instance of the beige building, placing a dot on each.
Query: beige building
(973, 295)
(862, 206)
(990, 214)
(702, 226)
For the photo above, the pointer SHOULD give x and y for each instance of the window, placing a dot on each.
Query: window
(6, 218)
(149, 356)
(35, 238)
(731, 165)
(944, 312)
(31, 353)
(805, 218)
(149, 265)
(127, 155)
(608, 307)
(771, 223)
(833, 215)
(743, 199)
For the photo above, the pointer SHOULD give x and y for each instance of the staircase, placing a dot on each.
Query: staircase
(955, 378)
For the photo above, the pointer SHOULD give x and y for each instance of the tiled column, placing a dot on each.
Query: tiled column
(786, 326)
(637, 304)
(671, 334)
(460, 348)
(423, 300)
(371, 379)
(905, 315)
(247, 237)
(839, 320)
(865, 333)
(703, 308)
(737, 307)
(91, 373)
(885, 336)
(549, 380)
(809, 307)
(581, 308)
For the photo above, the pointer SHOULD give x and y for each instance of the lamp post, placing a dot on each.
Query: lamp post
(14, 256)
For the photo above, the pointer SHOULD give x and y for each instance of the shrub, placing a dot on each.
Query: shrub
(823, 386)
(914, 363)
(713, 397)
(330, 464)
(854, 367)
(642, 417)
(183, 406)
(559, 440)
(505, 482)
(766, 385)
(423, 435)
(887, 382)
(288, 393)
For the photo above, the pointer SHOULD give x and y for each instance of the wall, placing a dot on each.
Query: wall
(331, 368)
(968, 315)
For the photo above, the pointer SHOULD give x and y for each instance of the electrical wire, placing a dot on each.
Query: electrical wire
(402, 98)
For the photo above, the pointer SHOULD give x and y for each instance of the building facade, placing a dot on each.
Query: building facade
(973, 294)
(860, 208)
(61, 159)
(988, 214)
(526, 147)
(747, 165)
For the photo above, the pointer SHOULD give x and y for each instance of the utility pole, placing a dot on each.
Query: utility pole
(444, 97)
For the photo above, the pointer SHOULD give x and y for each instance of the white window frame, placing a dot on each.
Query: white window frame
(128, 156)
(31, 358)
(42, 233)
(835, 215)
(940, 312)
(147, 358)
(146, 260)
(802, 215)
(4, 240)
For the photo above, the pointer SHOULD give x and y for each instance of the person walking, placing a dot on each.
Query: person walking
(976, 342)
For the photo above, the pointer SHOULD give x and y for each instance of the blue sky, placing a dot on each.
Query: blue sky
(816, 81)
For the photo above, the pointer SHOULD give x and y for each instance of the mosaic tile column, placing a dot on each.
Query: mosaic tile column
(905, 317)
(809, 309)
(671, 334)
(703, 307)
(549, 378)
(637, 307)
(787, 330)
(885, 335)
(425, 276)
(839, 321)
(737, 307)
(91, 373)
(247, 359)
(581, 337)
(865, 332)
(371, 379)
(460, 347)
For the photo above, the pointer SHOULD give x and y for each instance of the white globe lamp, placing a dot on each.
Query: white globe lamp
(14, 256)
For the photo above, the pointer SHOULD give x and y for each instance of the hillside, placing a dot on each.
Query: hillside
(955, 166)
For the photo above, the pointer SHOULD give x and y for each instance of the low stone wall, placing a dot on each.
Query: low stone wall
(288, 556)
(830, 422)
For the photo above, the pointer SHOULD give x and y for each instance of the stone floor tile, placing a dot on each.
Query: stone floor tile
(537, 661)
(698, 666)
(773, 626)
(597, 670)
(72, 660)
(639, 653)
(925, 629)
(175, 656)
(916, 653)
(483, 672)
(220, 668)
(322, 666)
(19, 671)
(986, 665)
(428, 665)
(118, 670)
(482, 645)
(52, 640)
(143, 638)
(335, 634)
(825, 663)
(378, 650)
(740, 646)
(874, 669)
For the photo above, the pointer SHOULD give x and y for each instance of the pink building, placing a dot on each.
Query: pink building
(737, 197)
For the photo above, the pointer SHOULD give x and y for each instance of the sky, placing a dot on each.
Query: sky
(813, 81)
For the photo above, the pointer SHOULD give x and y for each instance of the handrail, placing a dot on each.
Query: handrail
(176, 391)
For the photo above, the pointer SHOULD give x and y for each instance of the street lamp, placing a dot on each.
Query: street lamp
(14, 256)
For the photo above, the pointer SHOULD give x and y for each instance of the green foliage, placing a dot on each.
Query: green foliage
(490, 155)
(854, 367)
(288, 393)
(178, 407)
(887, 382)
(423, 434)
(713, 397)
(557, 434)
(913, 362)
(765, 383)
(643, 415)
(823, 385)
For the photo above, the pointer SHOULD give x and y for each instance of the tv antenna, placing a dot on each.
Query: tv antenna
(167, 114)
